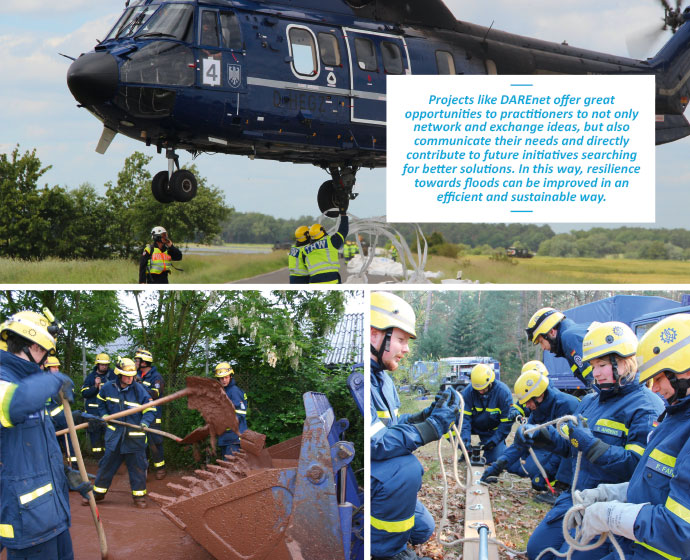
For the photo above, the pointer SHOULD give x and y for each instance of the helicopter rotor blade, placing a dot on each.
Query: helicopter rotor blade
(640, 43)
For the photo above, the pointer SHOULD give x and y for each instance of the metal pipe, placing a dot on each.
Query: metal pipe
(483, 531)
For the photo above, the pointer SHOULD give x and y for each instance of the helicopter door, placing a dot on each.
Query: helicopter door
(372, 56)
(220, 56)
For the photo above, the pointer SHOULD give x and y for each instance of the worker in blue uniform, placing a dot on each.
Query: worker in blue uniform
(544, 403)
(229, 442)
(611, 432)
(123, 443)
(487, 413)
(34, 510)
(652, 510)
(100, 374)
(152, 380)
(397, 516)
(561, 336)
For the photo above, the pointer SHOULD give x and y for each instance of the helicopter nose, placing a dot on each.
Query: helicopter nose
(92, 78)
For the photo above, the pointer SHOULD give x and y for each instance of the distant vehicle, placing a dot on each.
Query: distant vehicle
(459, 376)
(638, 312)
(518, 253)
(280, 245)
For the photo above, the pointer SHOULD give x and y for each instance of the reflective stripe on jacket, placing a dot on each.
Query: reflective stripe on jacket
(112, 398)
(35, 503)
(159, 261)
(487, 415)
(321, 256)
(662, 478)
(295, 262)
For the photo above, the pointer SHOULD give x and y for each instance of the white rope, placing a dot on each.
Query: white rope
(412, 267)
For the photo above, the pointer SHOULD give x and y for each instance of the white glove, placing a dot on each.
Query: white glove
(602, 493)
(610, 517)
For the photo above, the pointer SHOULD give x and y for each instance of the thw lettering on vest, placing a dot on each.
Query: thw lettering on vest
(320, 244)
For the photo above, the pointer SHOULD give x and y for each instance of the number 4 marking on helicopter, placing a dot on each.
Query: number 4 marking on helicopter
(211, 72)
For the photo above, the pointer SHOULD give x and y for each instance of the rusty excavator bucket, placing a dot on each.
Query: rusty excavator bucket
(297, 500)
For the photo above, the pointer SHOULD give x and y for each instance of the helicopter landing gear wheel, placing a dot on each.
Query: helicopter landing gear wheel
(183, 185)
(328, 198)
(159, 187)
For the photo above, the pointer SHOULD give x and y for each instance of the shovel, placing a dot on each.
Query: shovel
(84, 476)
(204, 395)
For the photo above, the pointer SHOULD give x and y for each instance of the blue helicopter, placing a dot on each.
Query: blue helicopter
(304, 81)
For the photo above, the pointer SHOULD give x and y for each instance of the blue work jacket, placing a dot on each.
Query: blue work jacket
(111, 399)
(569, 346)
(155, 386)
(391, 435)
(89, 391)
(662, 478)
(555, 404)
(623, 421)
(35, 505)
(239, 399)
(487, 415)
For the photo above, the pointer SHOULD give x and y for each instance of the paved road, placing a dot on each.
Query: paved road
(225, 250)
(282, 276)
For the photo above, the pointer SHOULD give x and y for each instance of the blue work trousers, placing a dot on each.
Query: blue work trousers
(156, 450)
(494, 453)
(394, 486)
(549, 533)
(97, 439)
(57, 548)
(111, 461)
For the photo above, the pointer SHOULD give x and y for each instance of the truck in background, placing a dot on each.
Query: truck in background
(458, 376)
(638, 312)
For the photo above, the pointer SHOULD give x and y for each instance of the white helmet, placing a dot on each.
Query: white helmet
(158, 230)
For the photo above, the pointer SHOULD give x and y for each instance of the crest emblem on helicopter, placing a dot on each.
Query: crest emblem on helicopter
(234, 75)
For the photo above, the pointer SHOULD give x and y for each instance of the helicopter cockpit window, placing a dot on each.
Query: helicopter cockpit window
(230, 27)
(392, 59)
(445, 63)
(303, 50)
(132, 20)
(209, 29)
(162, 63)
(328, 48)
(366, 56)
(172, 20)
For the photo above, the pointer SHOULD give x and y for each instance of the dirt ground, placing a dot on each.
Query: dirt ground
(130, 532)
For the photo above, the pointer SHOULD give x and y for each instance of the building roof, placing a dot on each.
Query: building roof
(345, 343)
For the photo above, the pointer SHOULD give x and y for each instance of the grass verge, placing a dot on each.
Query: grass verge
(197, 269)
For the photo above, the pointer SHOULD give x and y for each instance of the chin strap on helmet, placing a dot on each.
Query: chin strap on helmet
(680, 386)
(384, 347)
(28, 353)
(612, 388)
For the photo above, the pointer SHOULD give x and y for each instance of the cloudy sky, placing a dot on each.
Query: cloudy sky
(38, 111)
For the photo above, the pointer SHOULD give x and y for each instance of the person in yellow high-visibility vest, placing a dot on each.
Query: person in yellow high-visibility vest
(155, 262)
(321, 255)
(298, 268)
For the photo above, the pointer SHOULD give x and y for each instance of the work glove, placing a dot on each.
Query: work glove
(610, 517)
(540, 439)
(491, 473)
(489, 445)
(76, 484)
(582, 439)
(424, 414)
(602, 493)
(95, 422)
(440, 419)
(67, 386)
(513, 414)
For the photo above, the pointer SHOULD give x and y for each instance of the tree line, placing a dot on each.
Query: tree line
(39, 222)
(481, 323)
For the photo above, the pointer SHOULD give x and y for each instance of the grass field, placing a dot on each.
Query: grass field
(554, 270)
(197, 269)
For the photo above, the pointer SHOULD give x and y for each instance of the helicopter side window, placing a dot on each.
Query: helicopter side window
(366, 56)
(303, 50)
(172, 20)
(328, 48)
(392, 59)
(209, 29)
(445, 63)
(230, 27)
